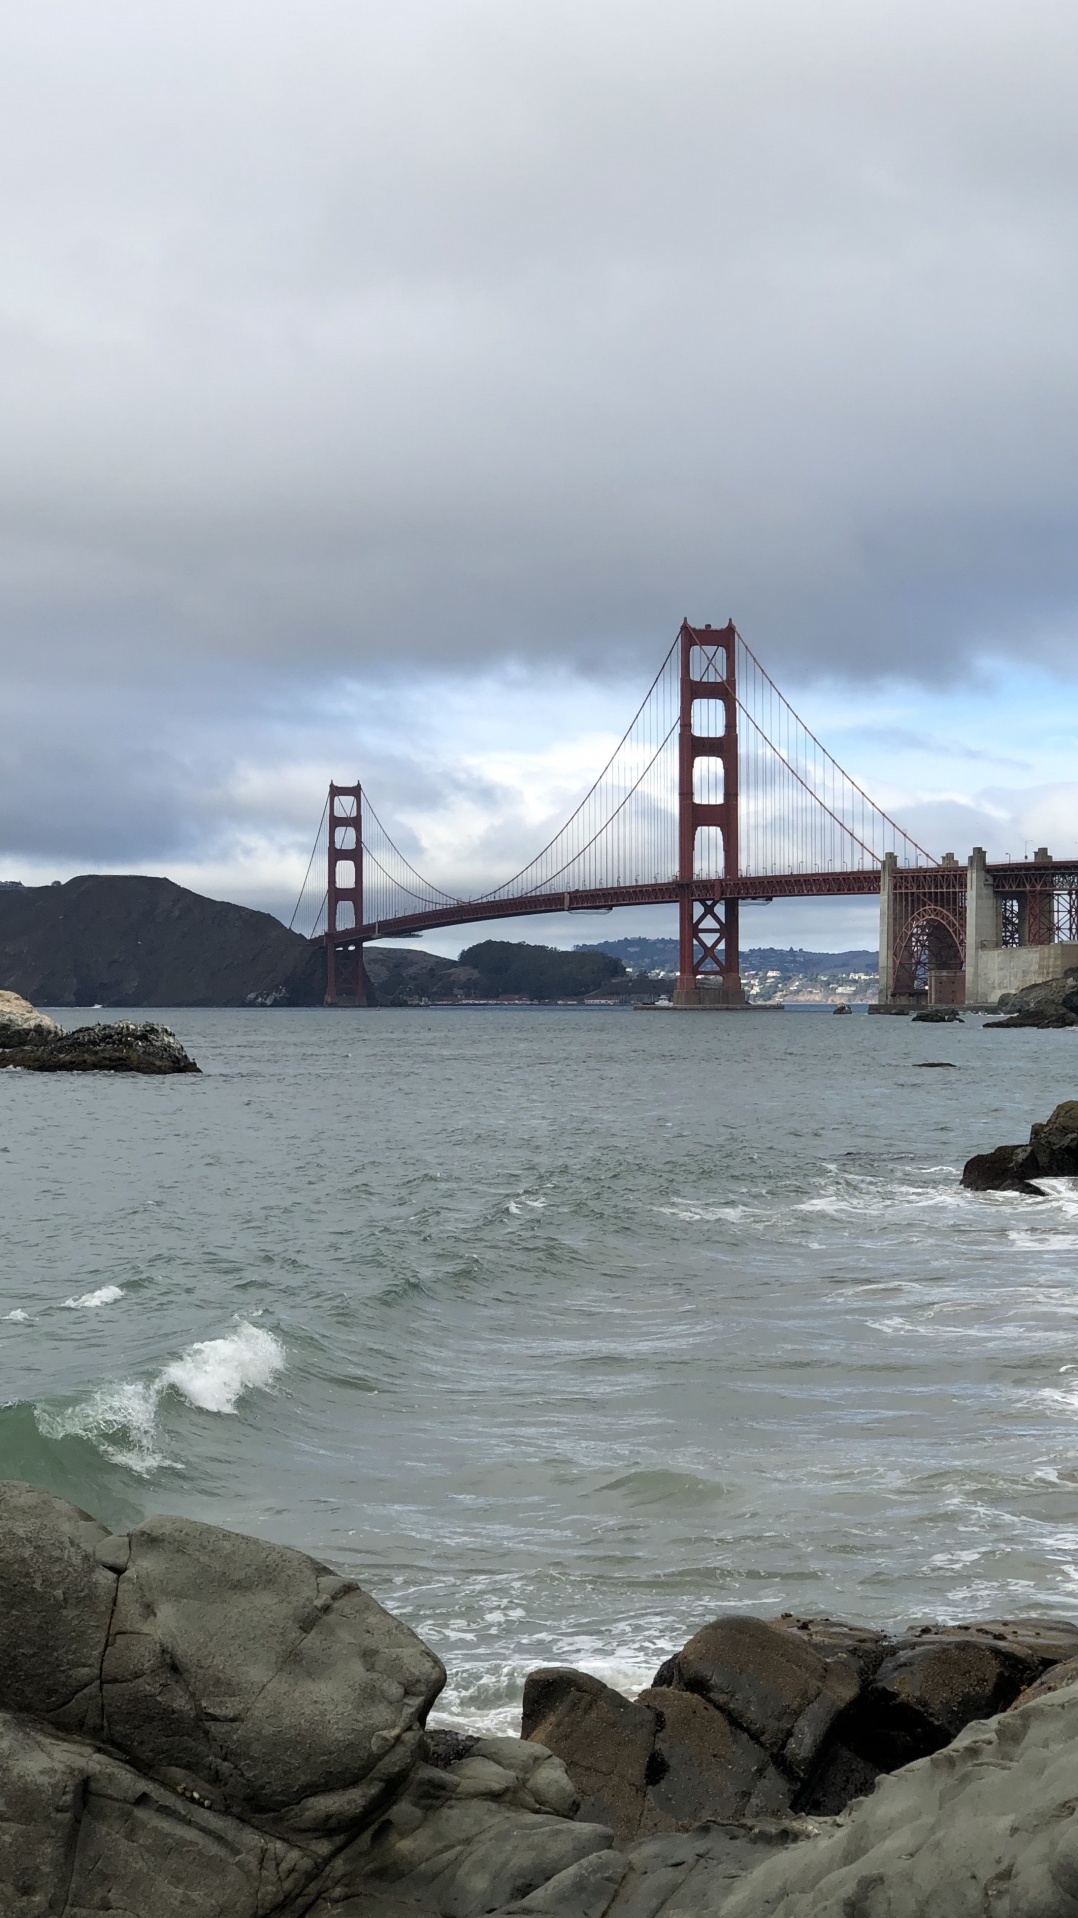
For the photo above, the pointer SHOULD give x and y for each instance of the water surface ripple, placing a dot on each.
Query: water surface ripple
(561, 1331)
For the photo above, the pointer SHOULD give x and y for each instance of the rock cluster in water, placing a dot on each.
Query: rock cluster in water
(31, 1040)
(195, 1724)
(1052, 1152)
(759, 1717)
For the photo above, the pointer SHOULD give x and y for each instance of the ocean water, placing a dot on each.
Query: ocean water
(561, 1331)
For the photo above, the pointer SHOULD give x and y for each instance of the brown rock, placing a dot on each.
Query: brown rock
(1039, 1641)
(604, 1740)
(864, 1649)
(930, 1688)
(1053, 1680)
(843, 1776)
(771, 1683)
(704, 1769)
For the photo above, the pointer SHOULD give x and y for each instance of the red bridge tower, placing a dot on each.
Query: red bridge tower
(709, 963)
(346, 979)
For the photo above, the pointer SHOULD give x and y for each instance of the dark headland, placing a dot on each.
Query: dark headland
(124, 940)
(114, 940)
(118, 940)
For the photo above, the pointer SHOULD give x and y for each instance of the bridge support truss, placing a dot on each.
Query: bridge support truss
(709, 964)
(964, 935)
(346, 978)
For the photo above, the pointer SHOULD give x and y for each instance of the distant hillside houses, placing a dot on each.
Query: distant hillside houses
(768, 972)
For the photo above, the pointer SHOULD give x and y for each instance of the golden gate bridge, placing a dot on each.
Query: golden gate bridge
(718, 792)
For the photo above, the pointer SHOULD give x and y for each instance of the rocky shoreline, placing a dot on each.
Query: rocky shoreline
(1050, 1005)
(197, 1724)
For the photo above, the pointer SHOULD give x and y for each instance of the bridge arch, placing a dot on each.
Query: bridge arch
(930, 956)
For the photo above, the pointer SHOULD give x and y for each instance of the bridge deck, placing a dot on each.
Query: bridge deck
(1008, 876)
(787, 885)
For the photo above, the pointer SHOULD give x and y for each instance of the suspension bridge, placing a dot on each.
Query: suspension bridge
(718, 792)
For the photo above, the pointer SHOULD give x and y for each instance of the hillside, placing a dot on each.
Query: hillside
(117, 940)
(660, 956)
(113, 940)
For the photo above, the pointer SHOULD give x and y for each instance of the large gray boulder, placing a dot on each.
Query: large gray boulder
(57, 1602)
(253, 1673)
(82, 1833)
(242, 1673)
(21, 1024)
(464, 1838)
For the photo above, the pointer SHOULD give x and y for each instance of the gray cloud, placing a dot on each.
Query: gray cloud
(341, 343)
(905, 739)
(447, 331)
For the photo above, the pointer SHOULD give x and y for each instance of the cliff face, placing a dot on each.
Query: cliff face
(122, 941)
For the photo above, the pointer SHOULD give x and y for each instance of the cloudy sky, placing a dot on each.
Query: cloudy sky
(381, 383)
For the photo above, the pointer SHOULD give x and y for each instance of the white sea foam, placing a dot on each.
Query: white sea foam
(702, 1214)
(119, 1419)
(19, 1316)
(105, 1295)
(215, 1373)
(901, 1325)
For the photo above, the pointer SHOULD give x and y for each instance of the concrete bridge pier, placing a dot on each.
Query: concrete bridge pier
(965, 935)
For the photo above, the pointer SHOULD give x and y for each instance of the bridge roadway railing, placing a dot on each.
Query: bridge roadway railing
(787, 885)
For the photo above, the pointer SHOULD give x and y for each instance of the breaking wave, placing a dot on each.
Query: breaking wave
(121, 1419)
(215, 1373)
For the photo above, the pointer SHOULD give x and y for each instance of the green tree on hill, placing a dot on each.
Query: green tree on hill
(540, 972)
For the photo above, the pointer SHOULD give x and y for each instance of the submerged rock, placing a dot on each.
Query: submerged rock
(938, 1016)
(122, 1047)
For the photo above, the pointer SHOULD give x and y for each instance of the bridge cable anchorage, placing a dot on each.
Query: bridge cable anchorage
(686, 804)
